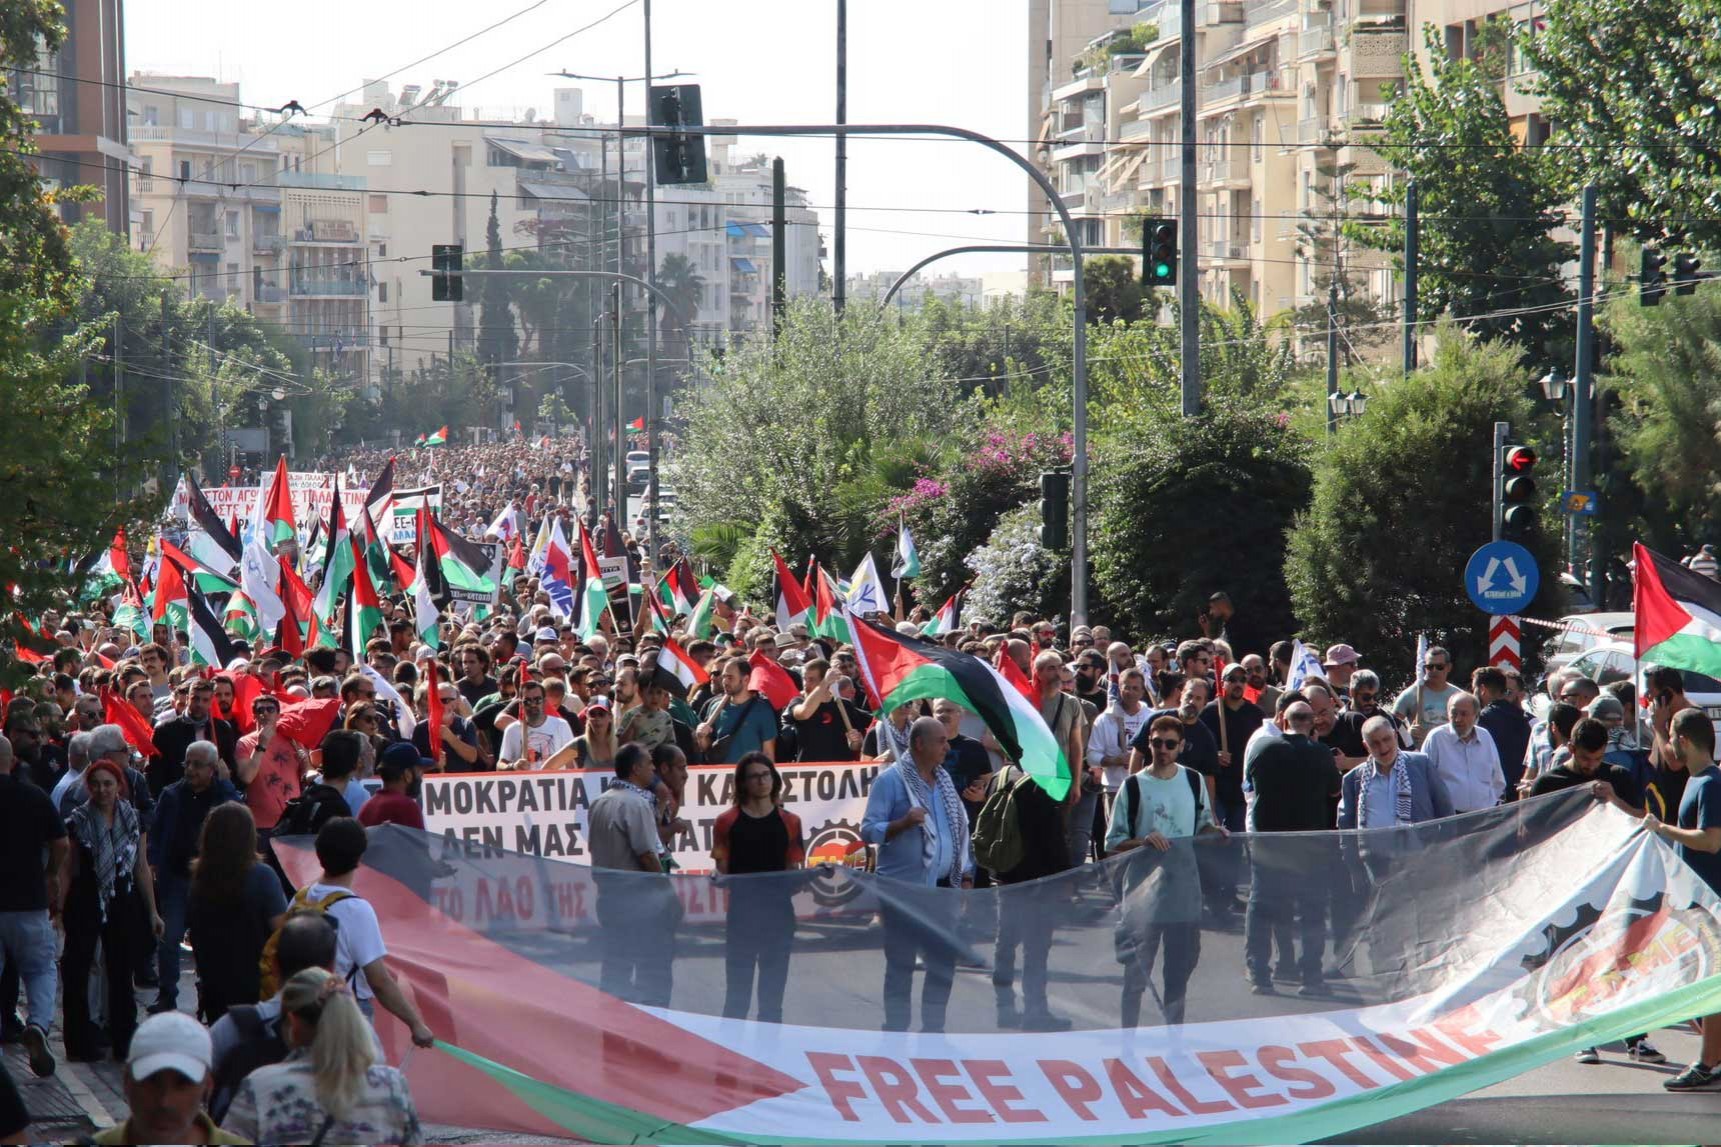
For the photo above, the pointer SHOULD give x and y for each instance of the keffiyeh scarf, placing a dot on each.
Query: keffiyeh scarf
(112, 848)
(955, 818)
(1399, 778)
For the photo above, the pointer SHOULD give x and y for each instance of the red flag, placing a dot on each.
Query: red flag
(433, 711)
(169, 587)
(118, 557)
(301, 607)
(21, 647)
(139, 733)
(247, 687)
(771, 679)
(308, 722)
(517, 554)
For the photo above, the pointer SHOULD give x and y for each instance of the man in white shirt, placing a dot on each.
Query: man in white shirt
(1116, 728)
(1464, 757)
(536, 737)
(77, 756)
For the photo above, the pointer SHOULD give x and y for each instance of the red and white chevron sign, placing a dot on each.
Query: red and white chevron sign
(1503, 645)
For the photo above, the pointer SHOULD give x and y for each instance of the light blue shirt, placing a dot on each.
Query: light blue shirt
(903, 858)
(1380, 796)
(356, 794)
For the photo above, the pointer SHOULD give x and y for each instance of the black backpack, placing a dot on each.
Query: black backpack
(258, 1046)
(308, 812)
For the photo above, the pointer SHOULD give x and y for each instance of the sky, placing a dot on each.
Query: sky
(956, 62)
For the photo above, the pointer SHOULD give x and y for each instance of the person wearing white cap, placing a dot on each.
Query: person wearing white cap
(167, 1081)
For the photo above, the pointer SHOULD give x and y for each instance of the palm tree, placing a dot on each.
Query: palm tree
(684, 286)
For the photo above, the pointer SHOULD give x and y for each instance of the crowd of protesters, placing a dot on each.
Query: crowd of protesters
(114, 847)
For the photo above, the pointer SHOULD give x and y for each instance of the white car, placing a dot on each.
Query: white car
(1614, 661)
(1567, 644)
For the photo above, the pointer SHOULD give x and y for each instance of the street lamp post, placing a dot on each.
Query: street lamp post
(1342, 406)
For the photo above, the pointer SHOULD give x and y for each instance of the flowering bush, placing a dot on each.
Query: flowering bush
(1013, 571)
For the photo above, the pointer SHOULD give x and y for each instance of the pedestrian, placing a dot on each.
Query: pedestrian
(361, 956)
(1396, 787)
(235, 905)
(1505, 722)
(1294, 778)
(1116, 727)
(1027, 913)
(1424, 704)
(176, 732)
(756, 834)
(33, 857)
(637, 909)
(1340, 666)
(167, 1082)
(536, 736)
(399, 769)
(271, 768)
(110, 901)
(174, 841)
(916, 820)
(1463, 754)
(1697, 839)
(596, 747)
(1158, 813)
(826, 727)
(738, 722)
(332, 1087)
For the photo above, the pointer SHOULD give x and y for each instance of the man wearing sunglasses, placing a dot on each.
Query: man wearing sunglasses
(1424, 704)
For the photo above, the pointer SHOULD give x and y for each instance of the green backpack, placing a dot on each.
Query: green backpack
(997, 830)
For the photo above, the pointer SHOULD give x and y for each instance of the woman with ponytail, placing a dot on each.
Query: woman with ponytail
(331, 1088)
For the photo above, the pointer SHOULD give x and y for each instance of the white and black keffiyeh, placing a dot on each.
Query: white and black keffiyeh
(1399, 778)
(112, 848)
(955, 817)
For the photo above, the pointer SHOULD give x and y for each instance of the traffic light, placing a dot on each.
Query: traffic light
(1517, 492)
(446, 285)
(1687, 270)
(1651, 278)
(1159, 252)
(677, 158)
(1055, 510)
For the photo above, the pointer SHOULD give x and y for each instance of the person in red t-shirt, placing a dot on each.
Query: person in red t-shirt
(399, 767)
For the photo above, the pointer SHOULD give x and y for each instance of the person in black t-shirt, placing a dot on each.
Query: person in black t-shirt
(1587, 766)
(758, 835)
(30, 830)
(821, 733)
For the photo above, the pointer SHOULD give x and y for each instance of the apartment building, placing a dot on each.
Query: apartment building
(950, 287)
(76, 95)
(1289, 95)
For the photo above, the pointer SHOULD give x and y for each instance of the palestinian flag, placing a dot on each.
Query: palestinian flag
(338, 562)
(169, 604)
(900, 669)
(948, 617)
(440, 438)
(516, 560)
(198, 575)
(275, 513)
(676, 671)
(678, 589)
(702, 622)
(240, 617)
(364, 607)
(209, 540)
(378, 558)
(828, 610)
(382, 490)
(460, 564)
(792, 603)
(636, 424)
(1676, 615)
(594, 599)
(419, 441)
(905, 563)
(210, 645)
(424, 611)
(111, 570)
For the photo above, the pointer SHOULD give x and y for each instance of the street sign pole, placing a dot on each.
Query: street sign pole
(1504, 646)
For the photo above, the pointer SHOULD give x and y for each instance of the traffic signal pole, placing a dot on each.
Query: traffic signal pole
(1189, 287)
(1583, 393)
(1502, 430)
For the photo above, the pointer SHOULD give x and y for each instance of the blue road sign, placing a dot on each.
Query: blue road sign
(1501, 577)
(1579, 502)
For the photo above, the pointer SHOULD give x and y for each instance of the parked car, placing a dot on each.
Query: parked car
(1614, 661)
(1567, 644)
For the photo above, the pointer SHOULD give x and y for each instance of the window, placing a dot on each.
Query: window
(256, 282)
(378, 204)
(148, 220)
(233, 225)
(145, 174)
(462, 155)
(184, 169)
(1260, 134)
(151, 115)
(185, 118)
(381, 250)
(379, 158)
(382, 336)
(248, 172)
(382, 292)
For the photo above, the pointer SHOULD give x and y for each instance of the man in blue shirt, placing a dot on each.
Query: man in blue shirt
(916, 819)
(1698, 839)
(737, 723)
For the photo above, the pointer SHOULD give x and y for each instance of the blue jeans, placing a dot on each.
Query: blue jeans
(27, 940)
(172, 895)
(1080, 833)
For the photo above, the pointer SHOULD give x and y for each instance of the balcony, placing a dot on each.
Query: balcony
(1365, 117)
(251, 144)
(331, 288)
(1259, 15)
(1136, 129)
(1316, 41)
(268, 244)
(1074, 200)
(271, 293)
(1171, 170)
(1227, 170)
(319, 182)
(327, 231)
(1160, 98)
(207, 241)
(1224, 90)
(1228, 250)
(1312, 129)
(330, 340)
(1377, 53)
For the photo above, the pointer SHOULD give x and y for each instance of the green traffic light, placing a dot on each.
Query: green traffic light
(1162, 270)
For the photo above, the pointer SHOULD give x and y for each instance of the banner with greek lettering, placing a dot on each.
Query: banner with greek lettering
(1097, 1006)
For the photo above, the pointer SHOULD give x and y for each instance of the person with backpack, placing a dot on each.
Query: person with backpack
(360, 954)
(1159, 812)
(249, 1035)
(333, 1086)
(737, 723)
(325, 796)
(1019, 836)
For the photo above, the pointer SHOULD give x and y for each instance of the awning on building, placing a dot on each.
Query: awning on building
(744, 265)
(521, 150)
(735, 230)
(553, 192)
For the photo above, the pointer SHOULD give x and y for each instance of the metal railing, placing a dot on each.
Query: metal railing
(347, 288)
(207, 241)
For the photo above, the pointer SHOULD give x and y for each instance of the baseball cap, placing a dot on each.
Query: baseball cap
(399, 757)
(599, 702)
(1607, 705)
(170, 1041)
(545, 634)
(1341, 654)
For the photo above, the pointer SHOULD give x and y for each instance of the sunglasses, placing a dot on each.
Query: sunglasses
(1166, 743)
(1362, 698)
(1432, 666)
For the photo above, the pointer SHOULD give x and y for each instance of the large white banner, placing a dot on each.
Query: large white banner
(311, 493)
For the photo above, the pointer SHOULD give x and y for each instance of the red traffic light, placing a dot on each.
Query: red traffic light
(1520, 459)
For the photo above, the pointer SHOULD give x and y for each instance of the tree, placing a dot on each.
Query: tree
(776, 438)
(1631, 87)
(1486, 205)
(498, 340)
(1321, 242)
(1013, 571)
(1113, 289)
(1185, 507)
(1401, 500)
(1666, 371)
